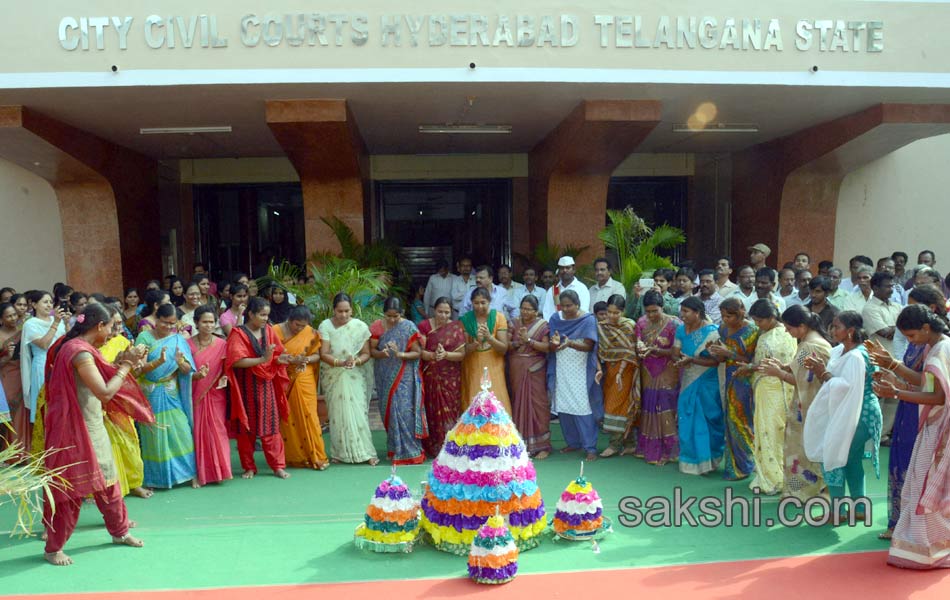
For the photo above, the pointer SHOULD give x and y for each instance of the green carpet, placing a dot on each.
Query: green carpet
(268, 531)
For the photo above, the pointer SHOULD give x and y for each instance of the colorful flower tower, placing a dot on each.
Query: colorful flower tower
(391, 523)
(482, 469)
(580, 512)
(493, 557)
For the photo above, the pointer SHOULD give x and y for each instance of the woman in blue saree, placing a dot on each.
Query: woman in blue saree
(168, 448)
(394, 343)
(699, 414)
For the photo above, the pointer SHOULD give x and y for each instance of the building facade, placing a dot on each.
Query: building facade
(135, 141)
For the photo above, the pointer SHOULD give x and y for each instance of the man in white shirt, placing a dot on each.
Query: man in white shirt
(887, 265)
(723, 271)
(440, 284)
(838, 297)
(606, 285)
(709, 295)
(462, 286)
(802, 293)
(786, 284)
(746, 289)
(849, 284)
(764, 284)
(511, 292)
(566, 281)
(530, 288)
(483, 279)
(862, 289)
(880, 321)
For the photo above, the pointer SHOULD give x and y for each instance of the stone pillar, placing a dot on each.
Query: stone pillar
(322, 141)
(107, 198)
(569, 170)
(785, 192)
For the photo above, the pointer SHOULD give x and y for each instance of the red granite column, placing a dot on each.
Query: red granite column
(322, 141)
(570, 169)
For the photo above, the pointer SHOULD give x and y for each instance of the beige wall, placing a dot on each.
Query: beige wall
(914, 37)
(31, 232)
(898, 202)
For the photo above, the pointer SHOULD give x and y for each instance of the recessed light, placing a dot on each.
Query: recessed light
(455, 128)
(716, 128)
(185, 130)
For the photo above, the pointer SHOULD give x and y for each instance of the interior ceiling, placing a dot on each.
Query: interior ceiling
(388, 115)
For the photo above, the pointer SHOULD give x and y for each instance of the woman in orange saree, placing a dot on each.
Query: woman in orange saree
(303, 437)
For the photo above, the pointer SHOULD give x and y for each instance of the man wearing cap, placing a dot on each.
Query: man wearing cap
(566, 281)
(757, 255)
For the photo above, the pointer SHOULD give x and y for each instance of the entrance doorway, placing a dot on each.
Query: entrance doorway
(432, 220)
(240, 227)
(656, 200)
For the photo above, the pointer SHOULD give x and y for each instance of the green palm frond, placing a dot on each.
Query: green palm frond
(333, 275)
(350, 247)
(283, 275)
(636, 243)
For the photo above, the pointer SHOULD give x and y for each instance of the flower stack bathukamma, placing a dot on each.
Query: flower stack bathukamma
(580, 512)
(482, 469)
(494, 555)
(391, 523)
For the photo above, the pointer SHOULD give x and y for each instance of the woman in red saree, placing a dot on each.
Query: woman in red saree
(527, 367)
(442, 354)
(209, 394)
(80, 385)
(257, 376)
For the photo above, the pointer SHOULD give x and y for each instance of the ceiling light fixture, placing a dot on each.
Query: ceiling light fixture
(716, 128)
(453, 128)
(185, 130)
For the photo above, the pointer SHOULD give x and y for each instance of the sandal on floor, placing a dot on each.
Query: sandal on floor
(373, 461)
(886, 535)
(608, 452)
(567, 449)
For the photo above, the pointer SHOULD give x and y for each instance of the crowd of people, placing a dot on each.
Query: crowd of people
(784, 379)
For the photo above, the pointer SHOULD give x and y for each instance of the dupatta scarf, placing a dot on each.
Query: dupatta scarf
(583, 327)
(618, 342)
(241, 344)
(65, 428)
(471, 325)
